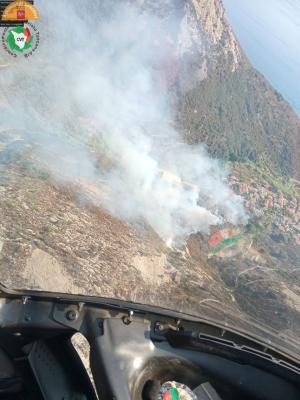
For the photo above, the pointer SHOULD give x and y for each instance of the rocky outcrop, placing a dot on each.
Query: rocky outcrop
(210, 15)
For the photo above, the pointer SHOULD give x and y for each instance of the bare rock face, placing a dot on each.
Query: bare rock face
(44, 271)
(210, 15)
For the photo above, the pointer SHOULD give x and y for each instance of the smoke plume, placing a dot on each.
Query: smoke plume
(94, 99)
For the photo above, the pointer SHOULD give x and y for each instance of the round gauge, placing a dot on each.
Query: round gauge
(175, 391)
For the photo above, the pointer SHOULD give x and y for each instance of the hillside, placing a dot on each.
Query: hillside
(54, 239)
(56, 229)
(232, 107)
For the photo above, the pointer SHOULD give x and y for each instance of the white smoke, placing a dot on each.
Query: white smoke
(99, 74)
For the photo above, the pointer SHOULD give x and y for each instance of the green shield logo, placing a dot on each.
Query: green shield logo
(19, 38)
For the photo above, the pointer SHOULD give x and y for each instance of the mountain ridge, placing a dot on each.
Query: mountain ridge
(232, 107)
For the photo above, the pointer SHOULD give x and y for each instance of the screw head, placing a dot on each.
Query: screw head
(159, 326)
(126, 320)
(72, 315)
